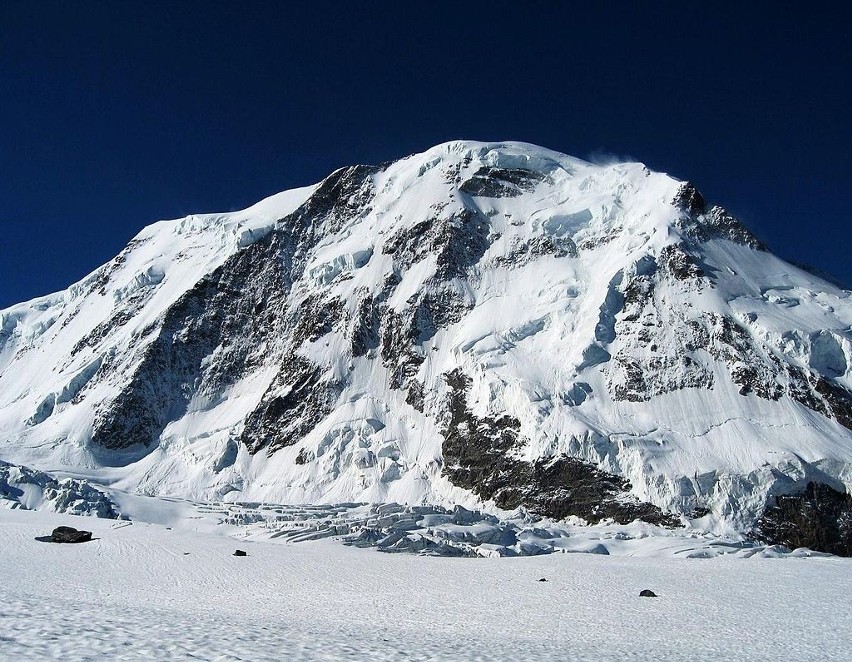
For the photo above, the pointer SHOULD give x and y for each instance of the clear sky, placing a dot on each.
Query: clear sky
(117, 114)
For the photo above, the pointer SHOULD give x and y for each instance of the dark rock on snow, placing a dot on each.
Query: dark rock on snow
(647, 593)
(240, 552)
(70, 534)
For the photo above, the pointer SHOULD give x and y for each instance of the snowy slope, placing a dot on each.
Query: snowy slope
(482, 323)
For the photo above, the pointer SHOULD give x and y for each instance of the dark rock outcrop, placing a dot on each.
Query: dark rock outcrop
(703, 224)
(838, 399)
(820, 519)
(719, 224)
(285, 415)
(490, 182)
(689, 199)
(229, 315)
(225, 313)
(457, 241)
(679, 264)
(478, 456)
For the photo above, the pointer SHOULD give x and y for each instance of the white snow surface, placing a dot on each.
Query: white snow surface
(532, 342)
(141, 591)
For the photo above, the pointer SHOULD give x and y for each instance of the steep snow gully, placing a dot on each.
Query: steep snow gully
(493, 325)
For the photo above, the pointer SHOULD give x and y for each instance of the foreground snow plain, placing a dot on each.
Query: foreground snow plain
(151, 591)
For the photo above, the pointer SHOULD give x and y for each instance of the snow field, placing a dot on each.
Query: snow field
(143, 591)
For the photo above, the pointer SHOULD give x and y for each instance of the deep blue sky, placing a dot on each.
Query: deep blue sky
(114, 115)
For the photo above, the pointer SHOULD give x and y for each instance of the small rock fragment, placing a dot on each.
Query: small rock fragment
(647, 593)
(543, 579)
(240, 552)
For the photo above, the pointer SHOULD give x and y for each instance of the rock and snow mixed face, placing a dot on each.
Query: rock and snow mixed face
(490, 324)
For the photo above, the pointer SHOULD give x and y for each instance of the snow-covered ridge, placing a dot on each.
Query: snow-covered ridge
(484, 324)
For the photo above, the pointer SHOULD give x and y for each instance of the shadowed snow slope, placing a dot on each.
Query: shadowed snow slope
(490, 324)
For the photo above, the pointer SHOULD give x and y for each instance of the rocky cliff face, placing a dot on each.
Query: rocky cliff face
(819, 518)
(488, 324)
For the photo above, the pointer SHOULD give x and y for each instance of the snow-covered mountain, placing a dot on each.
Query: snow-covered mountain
(493, 325)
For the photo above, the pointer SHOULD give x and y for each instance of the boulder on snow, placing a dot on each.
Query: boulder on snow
(69, 534)
(647, 593)
(240, 552)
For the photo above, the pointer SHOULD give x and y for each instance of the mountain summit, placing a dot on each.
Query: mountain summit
(491, 324)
